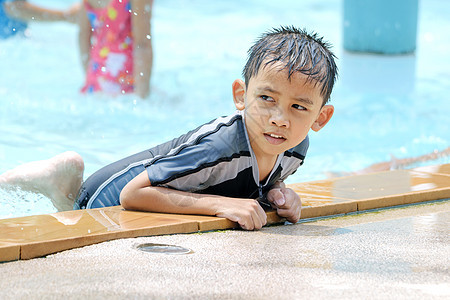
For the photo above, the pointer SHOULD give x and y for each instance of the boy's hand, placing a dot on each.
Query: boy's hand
(286, 201)
(247, 212)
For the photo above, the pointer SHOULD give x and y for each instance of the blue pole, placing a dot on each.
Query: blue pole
(380, 26)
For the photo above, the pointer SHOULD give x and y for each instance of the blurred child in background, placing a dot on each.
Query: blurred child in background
(114, 41)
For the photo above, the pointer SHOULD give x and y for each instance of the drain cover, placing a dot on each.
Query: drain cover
(163, 248)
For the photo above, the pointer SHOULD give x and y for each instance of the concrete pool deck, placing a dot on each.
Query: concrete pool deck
(385, 254)
(391, 254)
(399, 252)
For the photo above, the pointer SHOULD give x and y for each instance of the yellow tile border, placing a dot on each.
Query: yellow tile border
(42, 248)
(329, 209)
(401, 199)
(175, 224)
(9, 252)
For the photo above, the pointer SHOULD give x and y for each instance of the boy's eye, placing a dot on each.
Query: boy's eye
(299, 107)
(267, 98)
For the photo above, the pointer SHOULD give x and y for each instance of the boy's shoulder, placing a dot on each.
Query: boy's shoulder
(300, 150)
(218, 135)
(226, 133)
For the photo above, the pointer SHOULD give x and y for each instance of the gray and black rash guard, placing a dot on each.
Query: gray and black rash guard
(216, 158)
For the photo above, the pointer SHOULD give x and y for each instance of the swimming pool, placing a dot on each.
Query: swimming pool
(385, 105)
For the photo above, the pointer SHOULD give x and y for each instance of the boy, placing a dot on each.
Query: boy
(221, 167)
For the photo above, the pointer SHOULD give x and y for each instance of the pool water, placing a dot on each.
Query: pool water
(385, 105)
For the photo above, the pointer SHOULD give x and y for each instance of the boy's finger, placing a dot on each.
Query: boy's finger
(262, 216)
(253, 221)
(291, 216)
(258, 218)
(276, 196)
(292, 199)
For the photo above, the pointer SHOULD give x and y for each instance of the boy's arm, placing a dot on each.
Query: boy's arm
(30, 12)
(287, 202)
(143, 52)
(138, 194)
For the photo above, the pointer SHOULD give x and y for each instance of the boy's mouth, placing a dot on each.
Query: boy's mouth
(274, 139)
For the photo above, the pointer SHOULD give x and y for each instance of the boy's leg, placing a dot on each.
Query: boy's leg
(102, 189)
(58, 178)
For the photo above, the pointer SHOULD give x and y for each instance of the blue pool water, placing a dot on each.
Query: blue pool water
(385, 105)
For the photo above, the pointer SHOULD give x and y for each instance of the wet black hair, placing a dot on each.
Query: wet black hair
(300, 51)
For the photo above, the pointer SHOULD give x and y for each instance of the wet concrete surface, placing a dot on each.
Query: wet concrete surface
(386, 254)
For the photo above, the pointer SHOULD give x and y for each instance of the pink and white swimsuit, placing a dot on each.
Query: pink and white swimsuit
(110, 66)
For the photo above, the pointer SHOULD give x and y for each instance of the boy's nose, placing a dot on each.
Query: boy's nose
(279, 118)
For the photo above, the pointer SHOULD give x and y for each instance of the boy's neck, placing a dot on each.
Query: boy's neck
(265, 167)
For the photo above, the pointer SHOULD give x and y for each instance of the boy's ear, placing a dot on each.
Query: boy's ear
(324, 116)
(239, 94)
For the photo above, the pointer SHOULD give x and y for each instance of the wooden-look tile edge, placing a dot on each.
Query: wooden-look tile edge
(43, 248)
(402, 199)
(223, 223)
(9, 252)
(329, 209)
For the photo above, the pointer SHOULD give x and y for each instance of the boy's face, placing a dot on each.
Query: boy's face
(279, 112)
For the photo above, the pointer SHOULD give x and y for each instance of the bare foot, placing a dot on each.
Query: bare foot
(59, 178)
